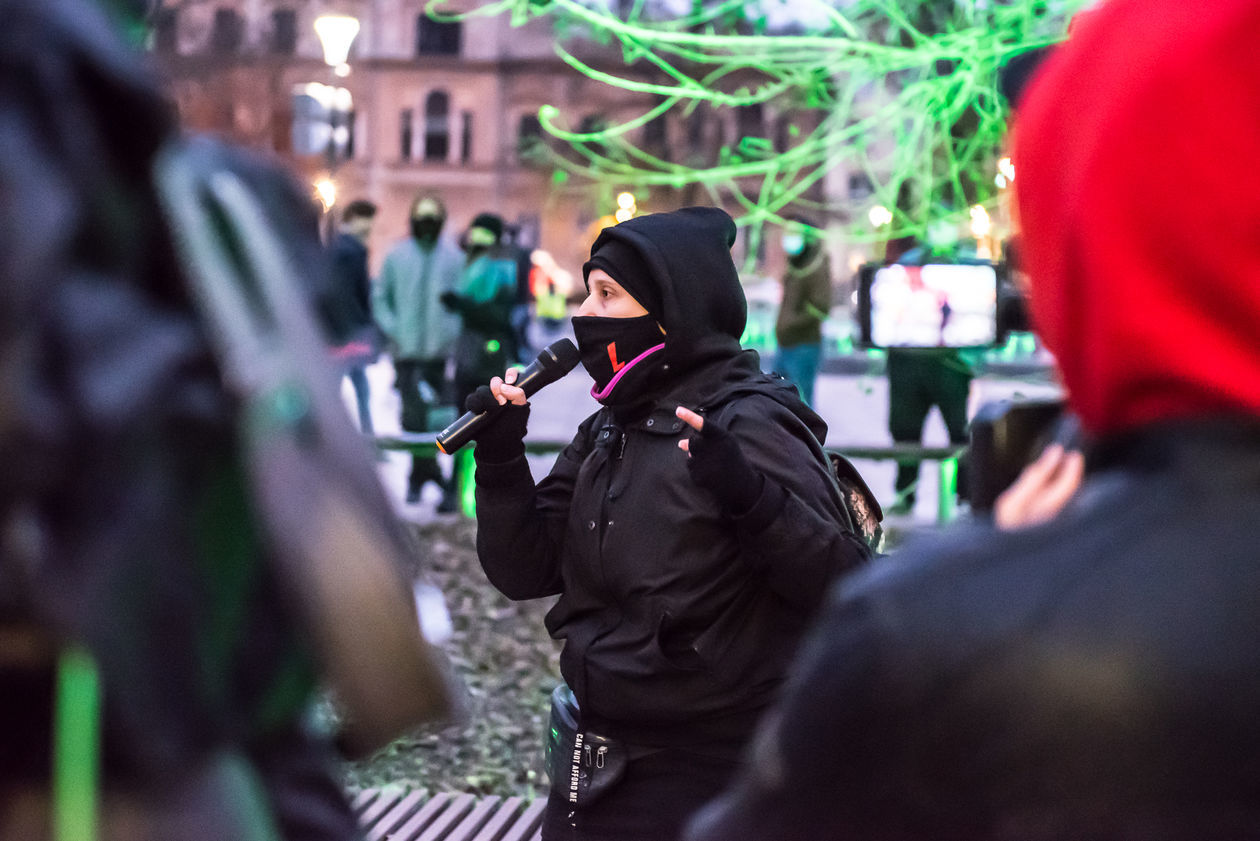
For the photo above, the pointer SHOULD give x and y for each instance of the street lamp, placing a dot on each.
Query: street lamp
(336, 34)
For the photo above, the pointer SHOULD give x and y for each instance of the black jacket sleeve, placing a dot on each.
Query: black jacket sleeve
(798, 531)
(520, 526)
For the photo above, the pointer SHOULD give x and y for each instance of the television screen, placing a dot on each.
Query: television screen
(933, 306)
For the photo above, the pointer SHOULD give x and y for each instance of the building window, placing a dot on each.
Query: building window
(284, 32)
(437, 37)
(594, 124)
(860, 186)
(228, 31)
(655, 136)
(437, 126)
(782, 134)
(166, 31)
(530, 144)
(749, 121)
(405, 122)
(465, 137)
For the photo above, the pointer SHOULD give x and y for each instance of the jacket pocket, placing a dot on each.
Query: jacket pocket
(750, 641)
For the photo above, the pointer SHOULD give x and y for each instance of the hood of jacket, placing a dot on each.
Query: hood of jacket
(688, 253)
(1140, 210)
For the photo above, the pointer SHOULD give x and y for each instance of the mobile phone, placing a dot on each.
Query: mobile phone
(937, 305)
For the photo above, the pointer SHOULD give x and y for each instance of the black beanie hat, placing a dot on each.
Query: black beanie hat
(626, 265)
(490, 222)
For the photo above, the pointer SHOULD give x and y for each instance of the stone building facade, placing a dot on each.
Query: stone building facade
(448, 106)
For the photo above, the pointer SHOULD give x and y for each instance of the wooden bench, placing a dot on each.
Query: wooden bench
(395, 814)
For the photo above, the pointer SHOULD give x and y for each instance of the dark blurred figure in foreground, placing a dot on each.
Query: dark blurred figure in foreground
(186, 512)
(1095, 676)
(347, 309)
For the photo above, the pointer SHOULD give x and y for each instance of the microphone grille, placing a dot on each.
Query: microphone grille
(562, 354)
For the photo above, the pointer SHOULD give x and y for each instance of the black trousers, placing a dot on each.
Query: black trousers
(653, 802)
(917, 381)
(408, 375)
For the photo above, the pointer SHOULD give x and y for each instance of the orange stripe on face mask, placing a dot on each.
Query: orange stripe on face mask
(612, 357)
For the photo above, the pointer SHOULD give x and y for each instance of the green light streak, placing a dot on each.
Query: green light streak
(902, 92)
(76, 747)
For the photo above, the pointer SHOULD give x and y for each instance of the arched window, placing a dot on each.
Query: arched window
(437, 126)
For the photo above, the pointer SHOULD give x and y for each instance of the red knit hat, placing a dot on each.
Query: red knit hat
(1138, 161)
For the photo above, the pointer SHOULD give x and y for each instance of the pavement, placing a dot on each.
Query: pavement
(854, 404)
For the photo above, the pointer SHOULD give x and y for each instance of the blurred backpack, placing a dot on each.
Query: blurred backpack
(861, 504)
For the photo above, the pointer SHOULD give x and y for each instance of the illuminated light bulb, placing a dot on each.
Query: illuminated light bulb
(625, 201)
(880, 216)
(981, 224)
(336, 34)
(326, 192)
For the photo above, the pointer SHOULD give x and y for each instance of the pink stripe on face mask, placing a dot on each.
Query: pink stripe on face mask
(607, 390)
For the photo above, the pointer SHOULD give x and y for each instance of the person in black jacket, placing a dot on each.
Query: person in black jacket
(684, 579)
(1094, 676)
(347, 308)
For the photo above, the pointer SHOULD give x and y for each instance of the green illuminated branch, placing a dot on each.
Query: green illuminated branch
(899, 92)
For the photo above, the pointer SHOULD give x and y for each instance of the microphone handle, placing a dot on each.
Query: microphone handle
(461, 431)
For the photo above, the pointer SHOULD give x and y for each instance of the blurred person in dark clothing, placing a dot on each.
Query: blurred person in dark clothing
(136, 525)
(921, 378)
(690, 529)
(522, 255)
(347, 309)
(804, 306)
(406, 303)
(1094, 674)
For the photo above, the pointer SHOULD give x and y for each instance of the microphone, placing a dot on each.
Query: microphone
(556, 360)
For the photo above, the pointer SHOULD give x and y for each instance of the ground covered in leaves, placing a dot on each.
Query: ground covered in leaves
(509, 666)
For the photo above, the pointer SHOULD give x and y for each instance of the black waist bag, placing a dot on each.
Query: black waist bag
(582, 764)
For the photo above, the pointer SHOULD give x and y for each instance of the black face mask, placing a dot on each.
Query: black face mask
(426, 229)
(623, 355)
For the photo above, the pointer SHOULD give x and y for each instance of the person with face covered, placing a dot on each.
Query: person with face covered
(483, 303)
(804, 306)
(406, 303)
(690, 529)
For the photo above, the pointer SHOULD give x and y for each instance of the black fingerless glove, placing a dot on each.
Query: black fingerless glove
(718, 465)
(502, 437)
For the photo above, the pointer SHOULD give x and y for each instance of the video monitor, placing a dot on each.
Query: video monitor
(939, 305)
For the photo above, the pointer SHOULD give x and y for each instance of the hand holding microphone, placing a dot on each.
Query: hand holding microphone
(492, 420)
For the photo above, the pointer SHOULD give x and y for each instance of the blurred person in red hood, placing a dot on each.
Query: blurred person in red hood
(1095, 675)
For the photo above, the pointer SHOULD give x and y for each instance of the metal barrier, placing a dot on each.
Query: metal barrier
(425, 443)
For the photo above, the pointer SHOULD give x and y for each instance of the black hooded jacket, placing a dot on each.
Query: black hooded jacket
(678, 619)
